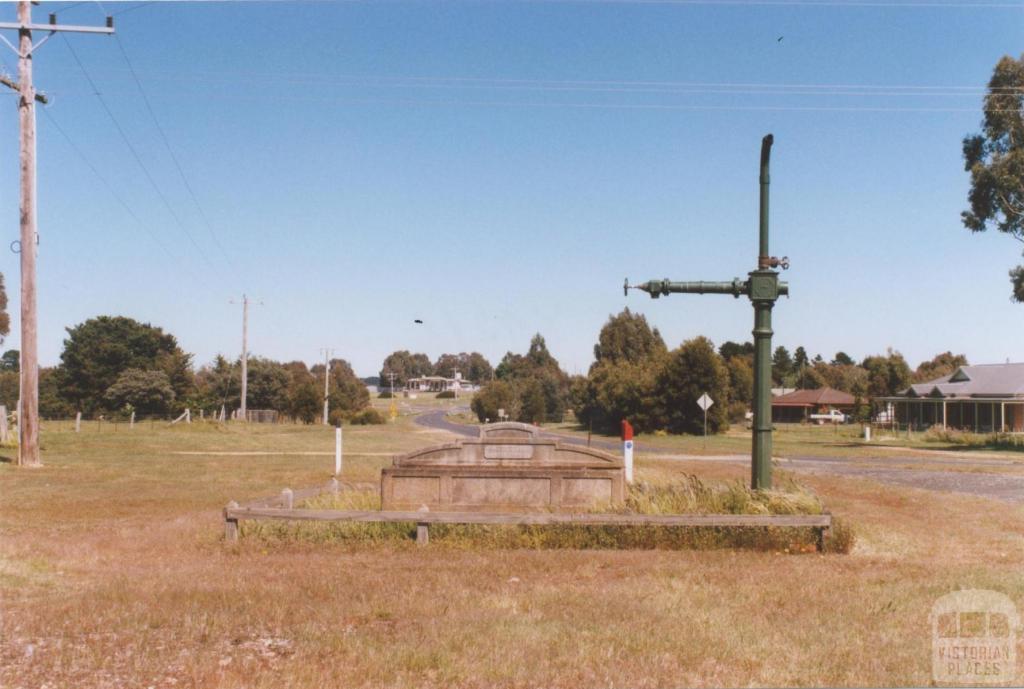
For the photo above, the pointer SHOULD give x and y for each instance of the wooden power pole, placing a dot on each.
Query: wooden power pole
(327, 379)
(28, 418)
(245, 354)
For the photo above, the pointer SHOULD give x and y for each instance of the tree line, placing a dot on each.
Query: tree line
(113, 365)
(636, 377)
(116, 365)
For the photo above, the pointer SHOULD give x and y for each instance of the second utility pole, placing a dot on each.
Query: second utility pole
(245, 353)
(327, 380)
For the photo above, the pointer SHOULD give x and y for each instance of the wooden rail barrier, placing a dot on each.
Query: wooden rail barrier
(233, 513)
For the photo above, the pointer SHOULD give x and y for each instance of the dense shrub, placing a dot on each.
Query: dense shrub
(367, 417)
(494, 396)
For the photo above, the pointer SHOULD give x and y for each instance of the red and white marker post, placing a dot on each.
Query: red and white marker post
(627, 449)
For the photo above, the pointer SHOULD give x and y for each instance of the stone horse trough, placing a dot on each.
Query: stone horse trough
(508, 475)
(508, 468)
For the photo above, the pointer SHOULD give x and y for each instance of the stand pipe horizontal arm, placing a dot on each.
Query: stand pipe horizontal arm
(656, 288)
(736, 288)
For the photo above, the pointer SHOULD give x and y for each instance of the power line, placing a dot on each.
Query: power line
(606, 106)
(909, 4)
(132, 9)
(135, 154)
(177, 163)
(591, 84)
(913, 4)
(103, 180)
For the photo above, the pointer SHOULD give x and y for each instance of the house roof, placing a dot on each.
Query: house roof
(812, 398)
(983, 380)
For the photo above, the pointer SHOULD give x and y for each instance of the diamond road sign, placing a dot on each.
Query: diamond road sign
(705, 402)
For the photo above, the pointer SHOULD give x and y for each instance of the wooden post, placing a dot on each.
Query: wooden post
(188, 416)
(78, 422)
(28, 416)
(287, 499)
(423, 529)
(5, 433)
(230, 525)
(131, 423)
(823, 534)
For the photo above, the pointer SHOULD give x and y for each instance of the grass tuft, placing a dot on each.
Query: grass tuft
(982, 441)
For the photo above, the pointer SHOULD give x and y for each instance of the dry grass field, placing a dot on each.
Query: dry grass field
(113, 574)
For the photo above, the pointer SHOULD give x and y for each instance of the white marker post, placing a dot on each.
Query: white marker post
(337, 451)
(627, 449)
(705, 403)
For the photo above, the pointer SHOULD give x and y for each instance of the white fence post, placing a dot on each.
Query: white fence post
(78, 422)
(5, 433)
(131, 423)
(337, 451)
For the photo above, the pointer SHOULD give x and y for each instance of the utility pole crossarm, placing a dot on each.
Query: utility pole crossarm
(14, 86)
(54, 27)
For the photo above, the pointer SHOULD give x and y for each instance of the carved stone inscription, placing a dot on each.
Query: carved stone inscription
(508, 451)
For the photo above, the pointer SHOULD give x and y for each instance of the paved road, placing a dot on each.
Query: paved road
(999, 486)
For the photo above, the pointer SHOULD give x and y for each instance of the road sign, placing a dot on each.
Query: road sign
(705, 403)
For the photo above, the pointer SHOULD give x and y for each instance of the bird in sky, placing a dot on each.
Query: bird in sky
(779, 39)
(418, 321)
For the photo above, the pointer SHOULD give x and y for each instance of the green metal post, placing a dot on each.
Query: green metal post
(763, 288)
(761, 452)
(764, 258)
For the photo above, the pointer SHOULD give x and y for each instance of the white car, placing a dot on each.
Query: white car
(833, 416)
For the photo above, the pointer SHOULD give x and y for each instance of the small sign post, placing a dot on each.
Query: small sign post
(627, 449)
(705, 403)
(337, 451)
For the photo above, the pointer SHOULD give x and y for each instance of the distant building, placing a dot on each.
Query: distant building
(437, 384)
(983, 398)
(798, 405)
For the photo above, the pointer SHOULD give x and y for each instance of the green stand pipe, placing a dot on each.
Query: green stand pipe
(761, 452)
(763, 288)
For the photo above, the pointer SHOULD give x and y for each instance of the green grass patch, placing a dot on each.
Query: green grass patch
(981, 441)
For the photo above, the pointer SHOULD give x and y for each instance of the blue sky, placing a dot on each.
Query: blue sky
(497, 168)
